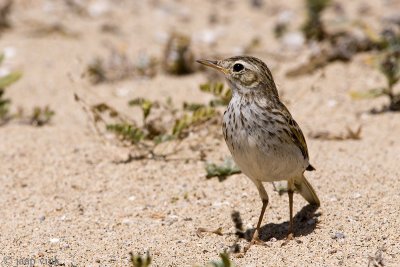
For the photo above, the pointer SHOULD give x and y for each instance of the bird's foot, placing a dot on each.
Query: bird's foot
(289, 238)
(254, 241)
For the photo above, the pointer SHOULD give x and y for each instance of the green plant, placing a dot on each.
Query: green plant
(144, 104)
(116, 67)
(127, 132)
(4, 106)
(178, 57)
(223, 262)
(96, 71)
(223, 95)
(9, 79)
(140, 260)
(5, 11)
(227, 168)
(6, 81)
(192, 106)
(41, 116)
(313, 28)
(145, 260)
(389, 66)
(200, 115)
(155, 129)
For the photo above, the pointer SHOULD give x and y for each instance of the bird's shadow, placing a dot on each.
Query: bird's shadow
(304, 223)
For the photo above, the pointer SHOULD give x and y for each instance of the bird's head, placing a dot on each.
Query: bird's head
(244, 74)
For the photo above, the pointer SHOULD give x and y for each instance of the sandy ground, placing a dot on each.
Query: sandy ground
(64, 197)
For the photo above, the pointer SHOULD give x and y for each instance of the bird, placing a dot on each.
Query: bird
(265, 141)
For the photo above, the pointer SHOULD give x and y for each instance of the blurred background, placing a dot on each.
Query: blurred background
(126, 47)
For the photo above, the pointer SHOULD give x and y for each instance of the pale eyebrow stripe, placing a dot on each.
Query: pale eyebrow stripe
(245, 64)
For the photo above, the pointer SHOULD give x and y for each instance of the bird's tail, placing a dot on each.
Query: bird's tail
(307, 191)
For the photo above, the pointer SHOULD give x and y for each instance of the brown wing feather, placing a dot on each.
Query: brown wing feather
(296, 134)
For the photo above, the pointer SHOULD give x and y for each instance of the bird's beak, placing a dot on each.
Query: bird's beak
(213, 64)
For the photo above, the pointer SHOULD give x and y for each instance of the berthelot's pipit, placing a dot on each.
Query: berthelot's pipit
(263, 138)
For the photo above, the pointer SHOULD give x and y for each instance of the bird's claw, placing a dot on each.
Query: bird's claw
(254, 241)
(289, 237)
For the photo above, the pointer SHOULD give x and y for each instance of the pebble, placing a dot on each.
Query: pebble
(9, 52)
(219, 204)
(365, 116)
(333, 199)
(209, 36)
(122, 91)
(285, 17)
(338, 235)
(126, 221)
(54, 240)
(332, 251)
(293, 40)
(4, 71)
(332, 103)
(98, 8)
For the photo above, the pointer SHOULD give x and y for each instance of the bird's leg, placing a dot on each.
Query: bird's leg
(290, 194)
(290, 234)
(264, 197)
(256, 239)
(264, 206)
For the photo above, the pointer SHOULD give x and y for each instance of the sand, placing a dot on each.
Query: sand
(63, 196)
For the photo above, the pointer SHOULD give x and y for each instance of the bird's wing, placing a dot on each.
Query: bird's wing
(295, 132)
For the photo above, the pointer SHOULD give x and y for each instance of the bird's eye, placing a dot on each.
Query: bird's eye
(238, 67)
